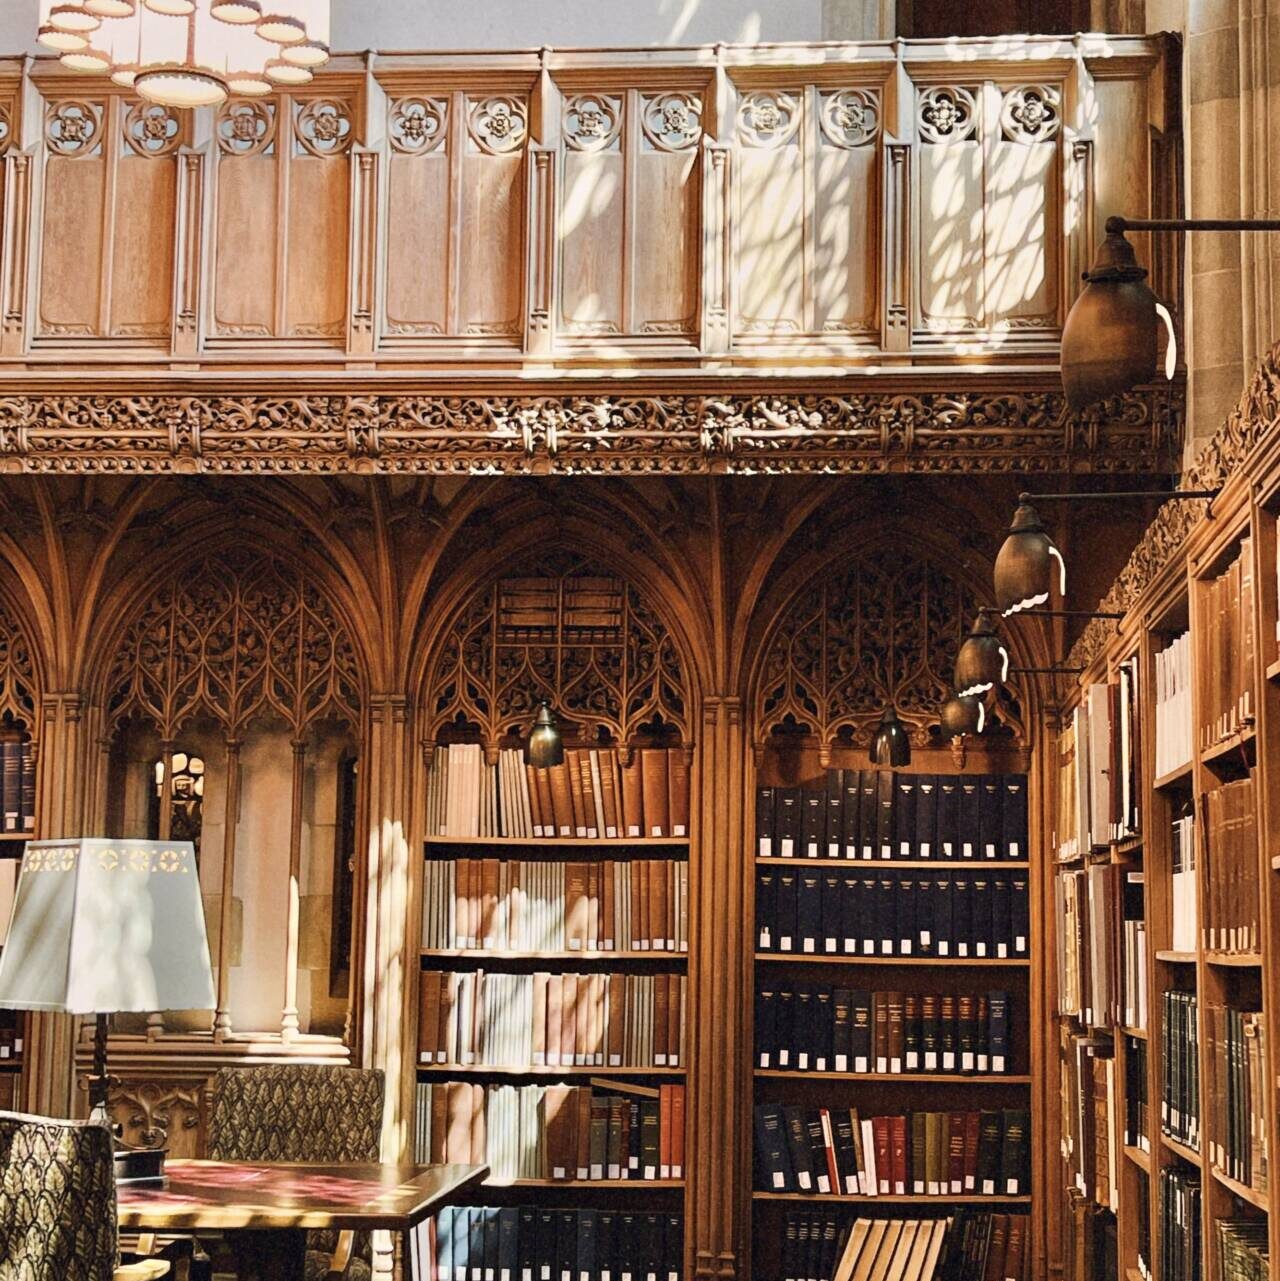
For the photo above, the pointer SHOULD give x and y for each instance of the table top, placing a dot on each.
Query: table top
(222, 1195)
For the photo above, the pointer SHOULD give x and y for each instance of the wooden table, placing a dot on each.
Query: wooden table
(267, 1209)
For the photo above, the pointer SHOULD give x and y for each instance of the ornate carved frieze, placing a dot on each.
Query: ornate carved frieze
(1254, 417)
(857, 431)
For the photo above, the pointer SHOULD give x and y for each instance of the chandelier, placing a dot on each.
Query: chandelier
(190, 53)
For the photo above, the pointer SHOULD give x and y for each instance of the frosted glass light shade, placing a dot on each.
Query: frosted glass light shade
(104, 926)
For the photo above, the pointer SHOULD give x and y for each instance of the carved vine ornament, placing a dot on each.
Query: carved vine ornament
(852, 432)
(1253, 419)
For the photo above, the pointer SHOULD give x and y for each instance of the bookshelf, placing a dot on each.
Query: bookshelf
(849, 964)
(1220, 592)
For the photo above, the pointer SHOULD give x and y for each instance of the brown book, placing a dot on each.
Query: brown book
(590, 819)
(972, 1124)
(616, 1043)
(428, 1014)
(447, 1035)
(516, 900)
(661, 1010)
(657, 905)
(559, 1116)
(458, 1122)
(897, 1155)
(582, 1132)
(638, 870)
(577, 911)
(675, 1019)
(546, 802)
(599, 1017)
(490, 876)
(479, 1136)
(573, 758)
(664, 1131)
(880, 1031)
(609, 794)
(538, 1036)
(555, 1020)
(633, 797)
(535, 801)
(439, 1123)
(678, 791)
(997, 1246)
(653, 774)
(561, 798)
(568, 1019)
(608, 908)
(677, 1131)
(594, 871)
(1015, 1250)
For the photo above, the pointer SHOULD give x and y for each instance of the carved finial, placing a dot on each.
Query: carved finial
(959, 750)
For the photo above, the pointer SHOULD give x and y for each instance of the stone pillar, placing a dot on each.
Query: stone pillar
(719, 998)
(859, 19)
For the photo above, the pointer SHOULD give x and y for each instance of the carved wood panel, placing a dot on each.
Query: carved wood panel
(152, 1113)
(882, 631)
(566, 630)
(629, 213)
(807, 245)
(282, 218)
(234, 635)
(454, 218)
(108, 223)
(19, 690)
(989, 240)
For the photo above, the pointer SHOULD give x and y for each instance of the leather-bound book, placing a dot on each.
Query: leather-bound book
(589, 818)
(582, 1131)
(797, 1135)
(764, 821)
(546, 802)
(617, 1022)
(661, 999)
(678, 791)
(599, 1018)
(955, 1152)
(935, 1175)
(535, 803)
(609, 799)
(947, 1033)
(1016, 1248)
(664, 1131)
(633, 797)
(559, 1113)
(595, 876)
(880, 1127)
(677, 1131)
(568, 1019)
(28, 787)
(555, 1020)
(562, 798)
(479, 1130)
(458, 1122)
(607, 939)
(678, 985)
(11, 780)
(918, 1166)
(616, 1161)
(638, 875)
(972, 1138)
(538, 1033)
(658, 905)
(582, 1025)
(428, 1014)
(490, 871)
(896, 1031)
(439, 1123)
(653, 772)
(898, 1154)
(576, 907)
(447, 1034)
(650, 1137)
(577, 791)
(996, 1248)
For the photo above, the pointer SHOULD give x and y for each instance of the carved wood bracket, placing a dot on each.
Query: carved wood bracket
(802, 430)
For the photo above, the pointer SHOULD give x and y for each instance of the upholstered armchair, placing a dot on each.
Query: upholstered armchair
(305, 1114)
(58, 1203)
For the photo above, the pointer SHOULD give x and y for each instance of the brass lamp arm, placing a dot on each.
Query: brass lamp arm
(1116, 223)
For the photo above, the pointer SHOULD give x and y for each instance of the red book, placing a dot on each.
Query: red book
(898, 1153)
(884, 1154)
(971, 1120)
(955, 1152)
(829, 1150)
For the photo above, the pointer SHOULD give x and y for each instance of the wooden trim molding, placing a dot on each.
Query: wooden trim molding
(675, 431)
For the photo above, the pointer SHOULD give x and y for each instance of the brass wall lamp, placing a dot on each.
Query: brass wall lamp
(1109, 343)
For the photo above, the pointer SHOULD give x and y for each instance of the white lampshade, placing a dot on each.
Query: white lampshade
(107, 926)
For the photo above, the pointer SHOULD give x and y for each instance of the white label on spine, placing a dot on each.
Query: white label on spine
(784, 942)
(611, 833)
(842, 1062)
(788, 847)
(634, 829)
(833, 849)
(765, 845)
(860, 1064)
(779, 1179)
(830, 945)
(931, 1061)
(851, 946)
(808, 945)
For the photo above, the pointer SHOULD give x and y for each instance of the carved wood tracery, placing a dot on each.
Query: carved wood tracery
(19, 689)
(563, 629)
(882, 631)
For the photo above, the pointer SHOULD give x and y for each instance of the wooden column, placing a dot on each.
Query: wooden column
(390, 939)
(289, 1017)
(720, 1111)
(49, 1074)
(222, 1019)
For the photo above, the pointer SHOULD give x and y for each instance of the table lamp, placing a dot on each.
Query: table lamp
(108, 927)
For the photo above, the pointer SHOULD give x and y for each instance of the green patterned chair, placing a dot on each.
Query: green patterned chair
(58, 1204)
(304, 1114)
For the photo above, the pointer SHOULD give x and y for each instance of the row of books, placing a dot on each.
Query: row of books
(1089, 1130)
(551, 1020)
(834, 1151)
(1137, 1100)
(818, 1247)
(1134, 984)
(1090, 938)
(876, 814)
(614, 1132)
(1175, 739)
(1232, 880)
(821, 1029)
(510, 905)
(984, 1246)
(1180, 1224)
(1243, 1253)
(593, 795)
(1180, 1068)
(17, 783)
(1226, 651)
(941, 913)
(1238, 1104)
(536, 1243)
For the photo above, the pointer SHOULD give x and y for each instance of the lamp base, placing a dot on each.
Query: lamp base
(139, 1167)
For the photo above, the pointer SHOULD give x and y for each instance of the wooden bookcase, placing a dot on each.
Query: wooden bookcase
(788, 764)
(1176, 598)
